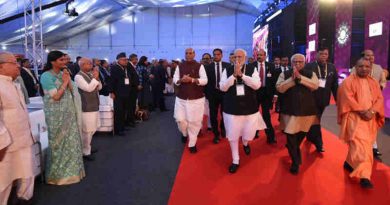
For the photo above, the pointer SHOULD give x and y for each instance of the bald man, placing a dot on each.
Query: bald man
(88, 83)
(190, 77)
(16, 153)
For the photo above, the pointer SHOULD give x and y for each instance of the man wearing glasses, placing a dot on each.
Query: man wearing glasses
(123, 81)
(298, 112)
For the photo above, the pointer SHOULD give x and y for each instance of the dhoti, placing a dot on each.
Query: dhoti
(189, 116)
(91, 121)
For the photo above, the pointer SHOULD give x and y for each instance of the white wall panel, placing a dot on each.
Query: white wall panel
(122, 33)
(167, 28)
(200, 26)
(100, 37)
(166, 32)
(79, 42)
(184, 26)
(146, 28)
(222, 27)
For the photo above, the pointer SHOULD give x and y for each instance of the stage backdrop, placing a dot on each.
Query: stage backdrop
(313, 9)
(378, 11)
(342, 47)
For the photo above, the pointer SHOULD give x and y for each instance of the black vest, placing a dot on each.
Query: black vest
(89, 100)
(240, 105)
(298, 100)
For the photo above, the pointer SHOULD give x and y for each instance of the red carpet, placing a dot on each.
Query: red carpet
(263, 176)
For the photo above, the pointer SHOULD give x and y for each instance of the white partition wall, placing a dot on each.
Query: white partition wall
(165, 33)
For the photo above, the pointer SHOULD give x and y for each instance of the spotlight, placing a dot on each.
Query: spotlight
(73, 12)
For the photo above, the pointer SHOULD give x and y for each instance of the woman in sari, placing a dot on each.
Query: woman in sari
(64, 164)
(145, 95)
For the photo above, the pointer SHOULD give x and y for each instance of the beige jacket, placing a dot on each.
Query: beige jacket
(15, 132)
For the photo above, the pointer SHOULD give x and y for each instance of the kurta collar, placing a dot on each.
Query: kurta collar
(7, 78)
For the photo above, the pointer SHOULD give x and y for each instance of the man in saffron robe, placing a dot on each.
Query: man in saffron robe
(360, 113)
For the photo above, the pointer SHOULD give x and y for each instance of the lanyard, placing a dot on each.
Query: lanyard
(124, 70)
(319, 70)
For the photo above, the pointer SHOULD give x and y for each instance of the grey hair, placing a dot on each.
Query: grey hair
(240, 49)
(3, 56)
(82, 60)
(296, 55)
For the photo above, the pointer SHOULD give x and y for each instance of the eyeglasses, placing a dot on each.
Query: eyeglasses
(301, 62)
(15, 63)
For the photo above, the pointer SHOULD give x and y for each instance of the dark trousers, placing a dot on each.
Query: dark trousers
(293, 146)
(158, 98)
(266, 104)
(215, 103)
(314, 135)
(133, 105)
(121, 110)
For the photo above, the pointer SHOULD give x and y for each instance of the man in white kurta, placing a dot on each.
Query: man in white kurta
(190, 77)
(240, 109)
(88, 83)
(16, 153)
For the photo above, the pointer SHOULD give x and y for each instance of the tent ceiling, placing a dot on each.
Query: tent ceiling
(94, 13)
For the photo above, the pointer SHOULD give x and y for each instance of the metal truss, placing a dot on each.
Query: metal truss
(33, 39)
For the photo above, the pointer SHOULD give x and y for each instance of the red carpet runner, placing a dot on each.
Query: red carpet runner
(263, 176)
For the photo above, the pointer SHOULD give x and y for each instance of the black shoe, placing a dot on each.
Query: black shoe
(294, 169)
(257, 135)
(24, 202)
(216, 140)
(233, 168)
(247, 149)
(378, 158)
(120, 133)
(320, 149)
(376, 152)
(347, 167)
(223, 133)
(183, 139)
(271, 140)
(89, 158)
(193, 150)
(93, 151)
(366, 184)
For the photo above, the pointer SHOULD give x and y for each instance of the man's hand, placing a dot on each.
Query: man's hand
(237, 69)
(2, 154)
(296, 73)
(186, 79)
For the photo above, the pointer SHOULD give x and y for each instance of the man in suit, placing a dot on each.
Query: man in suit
(132, 65)
(104, 77)
(158, 84)
(282, 68)
(121, 83)
(277, 62)
(266, 92)
(29, 78)
(328, 83)
(213, 93)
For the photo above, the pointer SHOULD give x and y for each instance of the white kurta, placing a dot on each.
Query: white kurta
(189, 113)
(15, 135)
(90, 120)
(242, 125)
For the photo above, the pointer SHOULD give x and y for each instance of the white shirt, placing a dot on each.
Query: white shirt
(220, 72)
(265, 74)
